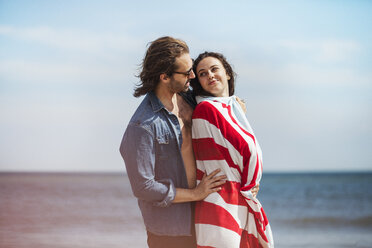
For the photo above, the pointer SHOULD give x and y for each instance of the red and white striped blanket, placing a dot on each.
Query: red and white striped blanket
(223, 138)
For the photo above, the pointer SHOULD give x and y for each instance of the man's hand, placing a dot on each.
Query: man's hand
(255, 190)
(242, 104)
(209, 184)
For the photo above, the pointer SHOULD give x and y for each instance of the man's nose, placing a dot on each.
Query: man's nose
(192, 74)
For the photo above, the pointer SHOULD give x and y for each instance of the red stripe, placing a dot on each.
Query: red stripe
(246, 159)
(228, 158)
(260, 227)
(249, 241)
(233, 119)
(206, 111)
(206, 214)
(231, 194)
(199, 174)
(209, 213)
(245, 175)
(266, 221)
(207, 149)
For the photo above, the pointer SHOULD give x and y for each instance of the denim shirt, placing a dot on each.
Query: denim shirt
(151, 149)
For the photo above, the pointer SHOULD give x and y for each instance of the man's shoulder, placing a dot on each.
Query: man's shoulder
(147, 112)
(143, 114)
(189, 98)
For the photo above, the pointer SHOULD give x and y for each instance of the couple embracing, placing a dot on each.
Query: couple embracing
(191, 156)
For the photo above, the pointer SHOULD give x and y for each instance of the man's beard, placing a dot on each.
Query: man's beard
(176, 87)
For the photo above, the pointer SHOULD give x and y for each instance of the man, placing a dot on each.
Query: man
(157, 147)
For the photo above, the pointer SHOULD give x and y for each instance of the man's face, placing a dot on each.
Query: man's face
(180, 79)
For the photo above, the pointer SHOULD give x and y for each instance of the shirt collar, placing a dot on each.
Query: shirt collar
(155, 102)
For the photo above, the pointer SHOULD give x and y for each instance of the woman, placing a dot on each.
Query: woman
(223, 138)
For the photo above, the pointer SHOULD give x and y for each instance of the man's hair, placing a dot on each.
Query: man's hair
(195, 84)
(160, 58)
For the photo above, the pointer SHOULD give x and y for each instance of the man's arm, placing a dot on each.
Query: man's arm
(138, 151)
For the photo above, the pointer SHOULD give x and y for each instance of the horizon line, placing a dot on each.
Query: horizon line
(125, 173)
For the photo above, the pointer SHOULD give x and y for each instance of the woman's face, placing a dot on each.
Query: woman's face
(213, 77)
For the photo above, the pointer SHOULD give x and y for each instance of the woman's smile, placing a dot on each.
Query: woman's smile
(213, 77)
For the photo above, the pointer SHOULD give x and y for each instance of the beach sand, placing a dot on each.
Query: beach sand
(68, 210)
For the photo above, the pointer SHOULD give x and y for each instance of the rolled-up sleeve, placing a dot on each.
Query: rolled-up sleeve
(138, 151)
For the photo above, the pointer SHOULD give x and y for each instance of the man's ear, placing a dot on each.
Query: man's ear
(164, 77)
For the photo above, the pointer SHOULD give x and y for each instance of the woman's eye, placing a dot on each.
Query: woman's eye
(202, 74)
(215, 69)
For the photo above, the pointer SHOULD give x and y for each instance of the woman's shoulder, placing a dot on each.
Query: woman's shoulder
(205, 108)
(205, 104)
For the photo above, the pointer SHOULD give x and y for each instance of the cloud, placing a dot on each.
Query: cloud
(304, 63)
(324, 50)
(79, 57)
(303, 74)
(25, 71)
(72, 39)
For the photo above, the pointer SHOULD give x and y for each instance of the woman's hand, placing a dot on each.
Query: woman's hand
(242, 104)
(209, 184)
(255, 190)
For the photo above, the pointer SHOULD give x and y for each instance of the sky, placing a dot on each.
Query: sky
(68, 69)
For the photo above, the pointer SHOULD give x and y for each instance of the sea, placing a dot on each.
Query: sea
(77, 210)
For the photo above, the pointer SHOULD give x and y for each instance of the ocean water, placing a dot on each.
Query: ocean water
(99, 210)
(319, 209)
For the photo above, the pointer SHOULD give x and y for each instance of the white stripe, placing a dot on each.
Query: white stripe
(208, 166)
(221, 238)
(269, 236)
(254, 203)
(238, 212)
(251, 143)
(252, 229)
(207, 130)
(203, 129)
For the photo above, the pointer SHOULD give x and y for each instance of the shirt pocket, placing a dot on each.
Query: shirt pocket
(162, 141)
